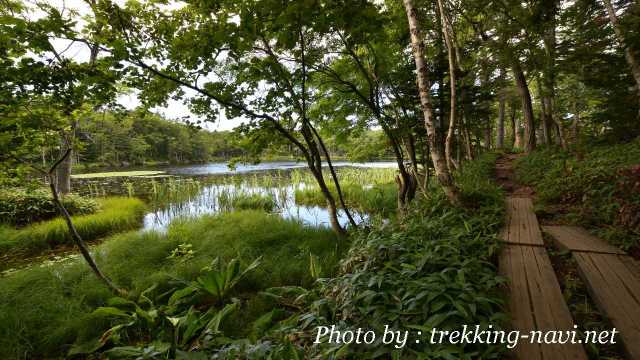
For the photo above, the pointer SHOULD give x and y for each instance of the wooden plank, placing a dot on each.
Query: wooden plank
(512, 267)
(616, 290)
(574, 238)
(522, 225)
(536, 302)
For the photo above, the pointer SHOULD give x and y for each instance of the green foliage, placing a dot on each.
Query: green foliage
(116, 215)
(19, 206)
(433, 268)
(60, 298)
(170, 324)
(594, 191)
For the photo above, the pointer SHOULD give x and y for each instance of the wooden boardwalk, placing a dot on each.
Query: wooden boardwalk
(612, 278)
(536, 302)
(573, 238)
(522, 225)
(535, 298)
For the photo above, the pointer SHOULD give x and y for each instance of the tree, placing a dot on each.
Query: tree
(46, 93)
(442, 171)
(261, 70)
(629, 55)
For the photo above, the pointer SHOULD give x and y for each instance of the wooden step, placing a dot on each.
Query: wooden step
(612, 278)
(574, 238)
(536, 302)
(522, 225)
(615, 288)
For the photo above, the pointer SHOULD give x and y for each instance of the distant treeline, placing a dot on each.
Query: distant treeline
(136, 138)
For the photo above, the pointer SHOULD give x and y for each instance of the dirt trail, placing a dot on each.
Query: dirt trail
(506, 178)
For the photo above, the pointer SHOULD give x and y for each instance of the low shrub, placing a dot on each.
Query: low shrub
(19, 206)
(595, 190)
(117, 214)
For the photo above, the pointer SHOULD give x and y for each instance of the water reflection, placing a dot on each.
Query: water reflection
(207, 201)
(223, 168)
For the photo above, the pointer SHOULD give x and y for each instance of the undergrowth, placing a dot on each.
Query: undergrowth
(598, 189)
(46, 311)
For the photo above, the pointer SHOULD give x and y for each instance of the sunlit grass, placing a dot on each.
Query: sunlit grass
(117, 214)
(117, 174)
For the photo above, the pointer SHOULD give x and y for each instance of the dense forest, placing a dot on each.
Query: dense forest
(489, 124)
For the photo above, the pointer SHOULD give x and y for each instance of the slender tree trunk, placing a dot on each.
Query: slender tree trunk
(465, 129)
(628, 52)
(314, 161)
(514, 129)
(447, 31)
(500, 135)
(334, 176)
(63, 170)
(84, 249)
(575, 126)
(442, 171)
(527, 109)
(544, 120)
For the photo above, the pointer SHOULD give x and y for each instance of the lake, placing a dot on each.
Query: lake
(196, 190)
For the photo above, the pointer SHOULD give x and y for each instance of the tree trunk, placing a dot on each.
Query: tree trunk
(84, 249)
(512, 121)
(334, 176)
(527, 109)
(442, 171)
(448, 38)
(575, 126)
(544, 120)
(314, 161)
(517, 140)
(628, 52)
(500, 135)
(465, 128)
(63, 175)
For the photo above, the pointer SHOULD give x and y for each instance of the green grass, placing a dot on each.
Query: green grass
(117, 174)
(242, 201)
(43, 310)
(117, 214)
(595, 191)
(378, 198)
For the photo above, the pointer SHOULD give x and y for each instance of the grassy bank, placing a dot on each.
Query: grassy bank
(597, 189)
(44, 310)
(116, 214)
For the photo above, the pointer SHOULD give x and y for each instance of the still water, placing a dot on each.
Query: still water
(206, 200)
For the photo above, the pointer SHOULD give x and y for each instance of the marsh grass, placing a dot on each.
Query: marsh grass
(117, 214)
(379, 198)
(243, 201)
(43, 310)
